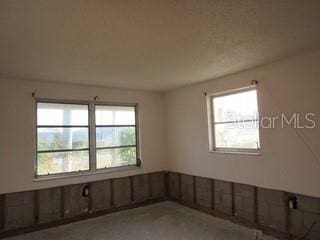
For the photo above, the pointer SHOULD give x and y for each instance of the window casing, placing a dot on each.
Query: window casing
(72, 140)
(234, 121)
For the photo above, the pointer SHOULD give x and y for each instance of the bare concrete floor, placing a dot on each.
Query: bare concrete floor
(165, 221)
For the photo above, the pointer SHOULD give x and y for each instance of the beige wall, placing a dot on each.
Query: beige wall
(174, 130)
(289, 160)
(17, 130)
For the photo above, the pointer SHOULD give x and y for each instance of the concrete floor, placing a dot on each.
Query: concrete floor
(165, 221)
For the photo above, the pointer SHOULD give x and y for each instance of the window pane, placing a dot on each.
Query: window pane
(115, 136)
(237, 135)
(62, 138)
(116, 157)
(115, 115)
(235, 107)
(60, 162)
(62, 114)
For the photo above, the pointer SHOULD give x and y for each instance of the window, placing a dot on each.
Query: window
(115, 136)
(85, 137)
(234, 121)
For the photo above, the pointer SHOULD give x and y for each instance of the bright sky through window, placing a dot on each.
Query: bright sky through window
(235, 121)
(55, 114)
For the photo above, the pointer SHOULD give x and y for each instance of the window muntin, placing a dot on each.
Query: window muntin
(62, 138)
(69, 141)
(116, 136)
(235, 122)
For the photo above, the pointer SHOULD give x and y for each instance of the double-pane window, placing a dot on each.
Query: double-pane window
(65, 142)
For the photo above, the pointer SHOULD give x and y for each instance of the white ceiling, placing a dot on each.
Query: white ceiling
(148, 44)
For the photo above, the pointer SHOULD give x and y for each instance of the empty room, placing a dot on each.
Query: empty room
(160, 119)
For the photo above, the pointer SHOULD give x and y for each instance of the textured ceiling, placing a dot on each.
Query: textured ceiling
(148, 44)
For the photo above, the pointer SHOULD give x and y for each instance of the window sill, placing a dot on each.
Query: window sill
(84, 173)
(236, 152)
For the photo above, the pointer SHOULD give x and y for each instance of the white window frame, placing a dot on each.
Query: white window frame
(95, 148)
(211, 124)
(92, 139)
